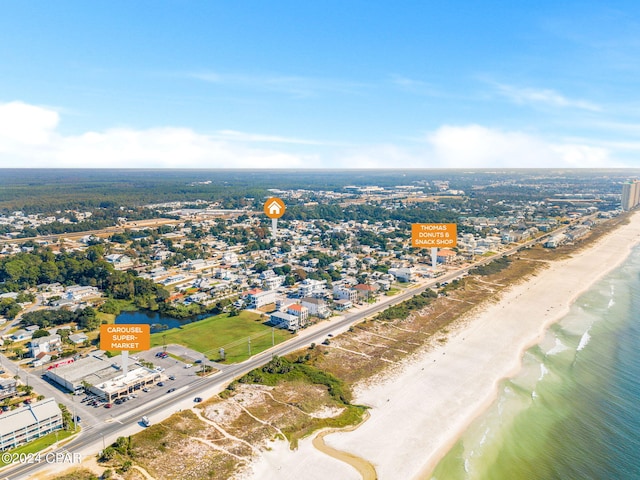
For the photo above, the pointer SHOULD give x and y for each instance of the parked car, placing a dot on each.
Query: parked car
(197, 399)
(188, 365)
(108, 405)
(161, 384)
(145, 389)
(172, 377)
(198, 361)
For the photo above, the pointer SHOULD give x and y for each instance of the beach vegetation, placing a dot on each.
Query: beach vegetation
(490, 268)
(82, 474)
(281, 370)
(402, 310)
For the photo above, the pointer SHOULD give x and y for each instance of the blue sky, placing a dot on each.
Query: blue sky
(297, 84)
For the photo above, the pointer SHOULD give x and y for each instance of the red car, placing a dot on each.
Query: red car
(108, 405)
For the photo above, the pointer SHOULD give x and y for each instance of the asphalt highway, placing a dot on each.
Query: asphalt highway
(94, 436)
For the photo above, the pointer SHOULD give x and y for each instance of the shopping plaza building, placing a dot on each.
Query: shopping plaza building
(103, 376)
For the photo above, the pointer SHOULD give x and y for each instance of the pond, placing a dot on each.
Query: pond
(157, 321)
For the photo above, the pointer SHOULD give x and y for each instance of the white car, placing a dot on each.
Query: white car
(188, 365)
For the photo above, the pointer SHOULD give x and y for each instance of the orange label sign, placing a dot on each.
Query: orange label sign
(431, 235)
(274, 207)
(125, 337)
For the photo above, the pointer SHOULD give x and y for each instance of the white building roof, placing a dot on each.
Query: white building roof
(25, 416)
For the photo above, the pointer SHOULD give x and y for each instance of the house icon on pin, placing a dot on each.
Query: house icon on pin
(274, 207)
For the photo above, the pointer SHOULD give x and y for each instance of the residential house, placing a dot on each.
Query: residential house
(341, 292)
(316, 307)
(257, 298)
(299, 311)
(343, 304)
(20, 335)
(285, 320)
(446, 256)
(41, 359)
(273, 282)
(119, 261)
(311, 288)
(555, 240)
(78, 338)
(365, 292)
(78, 292)
(402, 274)
(230, 258)
(50, 343)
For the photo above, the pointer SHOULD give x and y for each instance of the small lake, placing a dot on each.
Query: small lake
(157, 321)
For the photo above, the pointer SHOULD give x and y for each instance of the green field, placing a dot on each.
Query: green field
(231, 333)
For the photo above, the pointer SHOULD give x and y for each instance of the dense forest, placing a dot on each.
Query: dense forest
(50, 190)
(29, 269)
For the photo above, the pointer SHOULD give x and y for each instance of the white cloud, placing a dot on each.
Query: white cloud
(28, 138)
(23, 124)
(548, 97)
(380, 156)
(476, 146)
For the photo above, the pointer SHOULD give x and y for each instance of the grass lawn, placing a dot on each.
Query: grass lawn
(208, 335)
(40, 443)
(392, 291)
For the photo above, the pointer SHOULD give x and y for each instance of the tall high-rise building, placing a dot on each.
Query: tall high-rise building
(630, 194)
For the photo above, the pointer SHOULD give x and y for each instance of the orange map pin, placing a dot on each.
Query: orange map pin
(274, 207)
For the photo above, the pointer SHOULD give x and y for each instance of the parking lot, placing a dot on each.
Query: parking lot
(174, 375)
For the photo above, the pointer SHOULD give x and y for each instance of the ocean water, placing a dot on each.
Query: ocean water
(573, 411)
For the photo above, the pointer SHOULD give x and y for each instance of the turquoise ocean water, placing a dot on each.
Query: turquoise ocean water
(573, 411)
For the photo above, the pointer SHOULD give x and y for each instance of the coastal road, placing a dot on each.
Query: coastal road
(94, 437)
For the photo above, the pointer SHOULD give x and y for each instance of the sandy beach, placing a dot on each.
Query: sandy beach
(419, 413)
